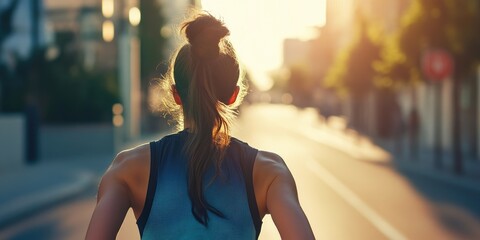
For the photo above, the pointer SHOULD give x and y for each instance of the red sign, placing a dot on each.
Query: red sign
(437, 65)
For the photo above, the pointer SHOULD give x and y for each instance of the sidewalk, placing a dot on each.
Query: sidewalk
(35, 187)
(423, 163)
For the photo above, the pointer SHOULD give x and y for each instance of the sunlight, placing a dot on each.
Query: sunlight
(258, 29)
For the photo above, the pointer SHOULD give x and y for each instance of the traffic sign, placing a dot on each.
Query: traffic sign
(437, 65)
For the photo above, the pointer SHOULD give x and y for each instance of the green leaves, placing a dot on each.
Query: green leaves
(392, 60)
(353, 68)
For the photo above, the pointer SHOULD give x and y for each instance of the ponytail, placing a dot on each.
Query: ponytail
(206, 72)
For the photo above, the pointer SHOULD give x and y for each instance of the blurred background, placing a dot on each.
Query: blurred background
(373, 104)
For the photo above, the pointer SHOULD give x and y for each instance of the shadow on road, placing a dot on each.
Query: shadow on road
(457, 208)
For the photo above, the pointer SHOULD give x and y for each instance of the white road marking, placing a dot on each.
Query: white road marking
(381, 224)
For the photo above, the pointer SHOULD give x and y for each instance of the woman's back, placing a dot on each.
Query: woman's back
(167, 210)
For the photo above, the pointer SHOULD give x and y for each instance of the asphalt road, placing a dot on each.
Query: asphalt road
(347, 192)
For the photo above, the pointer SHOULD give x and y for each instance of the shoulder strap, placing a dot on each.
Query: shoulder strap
(249, 155)
(152, 185)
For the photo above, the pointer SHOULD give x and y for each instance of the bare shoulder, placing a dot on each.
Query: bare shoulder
(278, 196)
(117, 192)
(131, 158)
(271, 164)
(128, 166)
(268, 168)
(129, 172)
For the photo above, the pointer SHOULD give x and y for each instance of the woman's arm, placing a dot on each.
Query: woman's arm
(113, 202)
(282, 199)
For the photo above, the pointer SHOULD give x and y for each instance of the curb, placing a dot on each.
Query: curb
(20, 208)
(448, 179)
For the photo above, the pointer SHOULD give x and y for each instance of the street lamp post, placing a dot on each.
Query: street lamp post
(129, 67)
(128, 50)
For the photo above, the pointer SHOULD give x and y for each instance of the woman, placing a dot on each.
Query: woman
(200, 183)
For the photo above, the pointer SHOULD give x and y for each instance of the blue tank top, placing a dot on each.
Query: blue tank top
(167, 211)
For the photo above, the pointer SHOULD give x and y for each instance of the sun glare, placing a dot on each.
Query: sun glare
(259, 27)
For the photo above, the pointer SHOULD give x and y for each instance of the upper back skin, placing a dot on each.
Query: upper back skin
(133, 168)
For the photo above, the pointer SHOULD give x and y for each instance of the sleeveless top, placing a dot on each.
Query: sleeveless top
(167, 212)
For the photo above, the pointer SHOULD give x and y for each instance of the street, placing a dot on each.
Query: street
(346, 192)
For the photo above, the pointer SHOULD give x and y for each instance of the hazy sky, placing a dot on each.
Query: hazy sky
(258, 28)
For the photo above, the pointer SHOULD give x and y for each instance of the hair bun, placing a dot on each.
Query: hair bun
(204, 33)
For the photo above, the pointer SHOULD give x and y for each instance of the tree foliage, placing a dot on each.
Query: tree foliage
(447, 25)
(438, 24)
(154, 37)
(352, 71)
(426, 24)
(300, 85)
(71, 94)
(153, 42)
(62, 88)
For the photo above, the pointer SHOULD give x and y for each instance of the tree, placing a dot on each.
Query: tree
(71, 94)
(352, 72)
(153, 42)
(300, 85)
(449, 25)
(153, 33)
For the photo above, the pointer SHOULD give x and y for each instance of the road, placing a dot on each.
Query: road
(347, 192)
